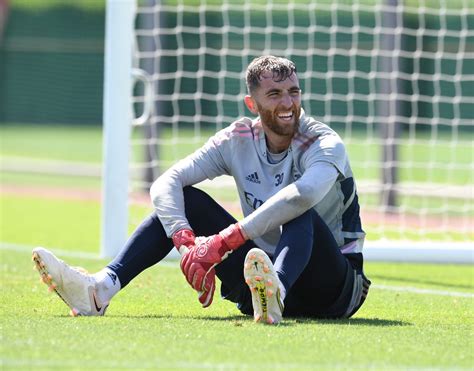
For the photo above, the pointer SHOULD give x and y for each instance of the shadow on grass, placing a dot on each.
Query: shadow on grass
(287, 321)
(363, 322)
(236, 320)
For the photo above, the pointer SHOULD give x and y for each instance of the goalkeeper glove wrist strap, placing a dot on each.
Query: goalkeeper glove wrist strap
(184, 237)
(233, 236)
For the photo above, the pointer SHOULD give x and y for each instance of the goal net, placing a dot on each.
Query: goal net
(394, 78)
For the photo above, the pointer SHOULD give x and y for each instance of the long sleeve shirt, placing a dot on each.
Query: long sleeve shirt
(315, 173)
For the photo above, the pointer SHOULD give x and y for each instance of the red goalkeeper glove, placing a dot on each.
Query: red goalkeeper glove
(183, 240)
(183, 237)
(199, 262)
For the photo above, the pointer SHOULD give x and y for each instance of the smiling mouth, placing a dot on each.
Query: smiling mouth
(285, 116)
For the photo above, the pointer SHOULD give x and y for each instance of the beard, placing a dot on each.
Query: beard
(271, 121)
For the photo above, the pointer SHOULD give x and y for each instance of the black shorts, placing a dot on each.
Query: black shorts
(350, 299)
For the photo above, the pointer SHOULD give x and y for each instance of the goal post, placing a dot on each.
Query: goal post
(393, 77)
(117, 118)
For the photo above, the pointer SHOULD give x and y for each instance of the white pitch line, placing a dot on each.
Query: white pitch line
(28, 248)
(69, 254)
(173, 263)
(416, 290)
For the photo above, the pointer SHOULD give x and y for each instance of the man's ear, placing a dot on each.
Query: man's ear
(251, 104)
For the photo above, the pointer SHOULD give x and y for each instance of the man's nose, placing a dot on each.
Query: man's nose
(286, 100)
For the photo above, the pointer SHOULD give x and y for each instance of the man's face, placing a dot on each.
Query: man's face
(279, 104)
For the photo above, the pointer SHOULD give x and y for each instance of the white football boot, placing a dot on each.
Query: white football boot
(74, 286)
(264, 285)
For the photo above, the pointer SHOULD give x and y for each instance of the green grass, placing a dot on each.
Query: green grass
(21, 216)
(50, 181)
(84, 144)
(52, 142)
(156, 322)
(45, 4)
(38, 145)
(100, 4)
(21, 213)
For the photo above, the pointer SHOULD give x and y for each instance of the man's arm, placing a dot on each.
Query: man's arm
(291, 201)
(167, 191)
(322, 163)
(168, 198)
(198, 264)
(167, 194)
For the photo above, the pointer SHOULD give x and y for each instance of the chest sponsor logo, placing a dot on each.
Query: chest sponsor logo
(296, 175)
(252, 201)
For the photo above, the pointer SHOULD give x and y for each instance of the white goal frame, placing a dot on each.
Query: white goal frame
(118, 117)
(117, 123)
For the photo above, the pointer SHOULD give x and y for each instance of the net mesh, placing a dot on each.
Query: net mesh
(395, 79)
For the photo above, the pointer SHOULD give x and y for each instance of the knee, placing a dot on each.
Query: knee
(301, 223)
(191, 192)
(194, 197)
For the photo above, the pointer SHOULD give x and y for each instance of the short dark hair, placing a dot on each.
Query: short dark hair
(281, 68)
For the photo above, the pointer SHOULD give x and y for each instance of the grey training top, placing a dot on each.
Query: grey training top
(314, 173)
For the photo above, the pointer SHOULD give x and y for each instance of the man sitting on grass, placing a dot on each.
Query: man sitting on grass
(298, 249)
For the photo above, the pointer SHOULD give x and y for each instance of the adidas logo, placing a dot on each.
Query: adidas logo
(112, 276)
(253, 178)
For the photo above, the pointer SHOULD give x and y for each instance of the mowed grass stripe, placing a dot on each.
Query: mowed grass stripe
(157, 322)
(173, 263)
